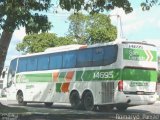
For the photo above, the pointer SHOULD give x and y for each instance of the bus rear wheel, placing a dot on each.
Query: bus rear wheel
(75, 100)
(88, 101)
(121, 107)
(20, 99)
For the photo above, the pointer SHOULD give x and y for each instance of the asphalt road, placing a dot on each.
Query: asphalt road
(64, 112)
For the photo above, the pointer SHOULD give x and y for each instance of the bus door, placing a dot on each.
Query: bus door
(11, 83)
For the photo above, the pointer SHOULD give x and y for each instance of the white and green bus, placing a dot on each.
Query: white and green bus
(101, 75)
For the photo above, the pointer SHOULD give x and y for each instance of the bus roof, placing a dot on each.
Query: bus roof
(65, 48)
(56, 49)
(78, 46)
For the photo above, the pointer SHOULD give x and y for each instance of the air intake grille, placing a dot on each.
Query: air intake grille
(107, 92)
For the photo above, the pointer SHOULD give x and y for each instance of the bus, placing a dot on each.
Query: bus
(99, 76)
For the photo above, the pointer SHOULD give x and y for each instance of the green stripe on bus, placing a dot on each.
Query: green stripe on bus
(139, 75)
(93, 75)
(41, 77)
(78, 75)
(154, 53)
(62, 76)
(58, 87)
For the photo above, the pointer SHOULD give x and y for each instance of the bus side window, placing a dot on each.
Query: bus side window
(22, 65)
(55, 61)
(12, 68)
(43, 62)
(84, 58)
(69, 59)
(110, 54)
(98, 54)
(32, 64)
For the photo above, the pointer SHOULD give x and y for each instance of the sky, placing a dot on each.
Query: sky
(137, 26)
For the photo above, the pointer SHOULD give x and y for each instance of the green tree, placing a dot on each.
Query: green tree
(100, 29)
(65, 41)
(77, 26)
(96, 26)
(95, 6)
(39, 42)
(17, 13)
(148, 4)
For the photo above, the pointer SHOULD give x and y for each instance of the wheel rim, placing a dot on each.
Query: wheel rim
(88, 101)
(20, 98)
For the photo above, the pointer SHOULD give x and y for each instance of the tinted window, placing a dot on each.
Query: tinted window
(32, 64)
(98, 54)
(110, 54)
(69, 59)
(43, 62)
(12, 68)
(22, 64)
(84, 58)
(55, 61)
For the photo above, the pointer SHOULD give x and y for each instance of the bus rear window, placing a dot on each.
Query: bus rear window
(139, 74)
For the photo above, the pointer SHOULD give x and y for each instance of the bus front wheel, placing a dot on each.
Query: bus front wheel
(20, 99)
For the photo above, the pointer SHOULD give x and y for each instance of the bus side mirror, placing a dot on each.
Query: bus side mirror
(3, 74)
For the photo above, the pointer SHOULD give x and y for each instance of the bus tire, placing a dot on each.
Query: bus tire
(88, 101)
(20, 99)
(48, 104)
(121, 107)
(105, 108)
(75, 100)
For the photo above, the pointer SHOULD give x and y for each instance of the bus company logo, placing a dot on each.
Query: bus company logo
(21, 79)
(139, 54)
(135, 55)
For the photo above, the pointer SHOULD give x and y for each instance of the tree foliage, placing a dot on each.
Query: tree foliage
(100, 29)
(146, 5)
(95, 6)
(97, 27)
(17, 13)
(77, 26)
(39, 42)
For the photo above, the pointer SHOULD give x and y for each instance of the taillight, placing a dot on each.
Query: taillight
(120, 85)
